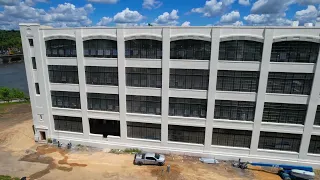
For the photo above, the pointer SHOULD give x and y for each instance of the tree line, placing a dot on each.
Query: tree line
(9, 94)
(10, 40)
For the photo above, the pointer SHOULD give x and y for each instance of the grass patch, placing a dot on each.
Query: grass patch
(2, 177)
(126, 151)
(3, 106)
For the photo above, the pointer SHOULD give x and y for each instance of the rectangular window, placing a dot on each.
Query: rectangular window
(144, 130)
(317, 118)
(103, 102)
(284, 113)
(314, 146)
(61, 48)
(190, 49)
(34, 64)
(240, 50)
(143, 48)
(234, 110)
(66, 123)
(280, 141)
(189, 79)
(244, 81)
(102, 75)
(188, 107)
(37, 88)
(104, 127)
(231, 137)
(63, 74)
(144, 104)
(187, 134)
(289, 83)
(144, 77)
(64, 99)
(31, 42)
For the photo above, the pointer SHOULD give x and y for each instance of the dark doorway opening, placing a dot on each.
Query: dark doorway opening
(43, 136)
(104, 127)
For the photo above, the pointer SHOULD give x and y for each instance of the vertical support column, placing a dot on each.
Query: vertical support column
(82, 84)
(122, 83)
(263, 80)
(165, 85)
(311, 112)
(215, 43)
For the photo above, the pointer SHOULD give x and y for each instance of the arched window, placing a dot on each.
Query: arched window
(143, 48)
(61, 48)
(190, 49)
(240, 50)
(295, 51)
(100, 48)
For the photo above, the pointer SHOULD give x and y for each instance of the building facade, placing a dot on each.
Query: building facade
(224, 92)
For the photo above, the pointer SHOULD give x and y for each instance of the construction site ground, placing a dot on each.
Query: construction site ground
(21, 156)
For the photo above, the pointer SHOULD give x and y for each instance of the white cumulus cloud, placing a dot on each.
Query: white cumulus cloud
(267, 19)
(185, 24)
(167, 18)
(307, 15)
(244, 2)
(230, 17)
(127, 16)
(213, 7)
(238, 23)
(151, 4)
(104, 1)
(104, 21)
(9, 2)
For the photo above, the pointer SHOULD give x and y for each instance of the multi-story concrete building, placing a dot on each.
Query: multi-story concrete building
(224, 92)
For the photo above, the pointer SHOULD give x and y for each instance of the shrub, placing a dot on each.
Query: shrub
(132, 150)
(49, 140)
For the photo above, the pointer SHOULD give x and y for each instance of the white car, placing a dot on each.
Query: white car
(149, 158)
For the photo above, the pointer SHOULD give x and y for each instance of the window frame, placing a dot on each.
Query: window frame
(152, 77)
(233, 137)
(66, 99)
(186, 107)
(143, 104)
(269, 140)
(190, 49)
(63, 74)
(143, 48)
(186, 134)
(72, 124)
(234, 110)
(139, 130)
(100, 75)
(96, 102)
(239, 81)
(100, 48)
(62, 47)
(189, 79)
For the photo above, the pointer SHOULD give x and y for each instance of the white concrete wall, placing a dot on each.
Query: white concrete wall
(41, 104)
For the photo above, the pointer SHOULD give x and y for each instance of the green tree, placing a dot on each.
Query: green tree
(17, 93)
(6, 94)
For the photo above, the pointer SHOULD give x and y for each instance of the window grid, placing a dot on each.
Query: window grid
(289, 83)
(240, 50)
(295, 51)
(103, 102)
(279, 141)
(61, 48)
(317, 118)
(188, 107)
(144, 130)
(244, 81)
(144, 104)
(231, 137)
(102, 48)
(143, 48)
(63, 74)
(284, 113)
(144, 77)
(34, 63)
(64, 99)
(66, 123)
(190, 49)
(187, 134)
(314, 146)
(234, 110)
(102, 75)
(189, 79)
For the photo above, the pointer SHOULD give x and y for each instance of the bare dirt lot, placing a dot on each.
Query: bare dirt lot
(21, 156)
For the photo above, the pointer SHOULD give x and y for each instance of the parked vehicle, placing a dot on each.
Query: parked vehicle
(149, 158)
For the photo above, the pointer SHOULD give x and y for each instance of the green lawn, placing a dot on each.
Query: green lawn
(2, 177)
(3, 106)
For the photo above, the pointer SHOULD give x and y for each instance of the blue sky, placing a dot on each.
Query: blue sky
(71, 13)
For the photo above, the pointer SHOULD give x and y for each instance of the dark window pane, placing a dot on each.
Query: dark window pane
(189, 79)
(34, 63)
(230, 137)
(37, 88)
(99, 75)
(190, 49)
(31, 42)
(66, 123)
(186, 134)
(61, 48)
(289, 83)
(64, 99)
(104, 127)
(245, 81)
(144, 130)
(240, 50)
(317, 118)
(103, 102)
(295, 51)
(144, 104)
(234, 110)
(279, 141)
(188, 107)
(63, 74)
(143, 48)
(314, 146)
(102, 48)
(144, 77)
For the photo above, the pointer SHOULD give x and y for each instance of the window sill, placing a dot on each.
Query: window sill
(278, 151)
(68, 109)
(187, 118)
(146, 140)
(279, 94)
(235, 121)
(230, 147)
(235, 61)
(314, 155)
(184, 143)
(190, 60)
(61, 57)
(145, 115)
(68, 132)
(282, 124)
(144, 59)
(102, 111)
(100, 58)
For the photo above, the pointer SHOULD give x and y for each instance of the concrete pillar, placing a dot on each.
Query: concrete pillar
(82, 84)
(215, 43)
(122, 83)
(165, 85)
(263, 80)
(311, 112)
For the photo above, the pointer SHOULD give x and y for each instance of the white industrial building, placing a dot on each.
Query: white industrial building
(224, 92)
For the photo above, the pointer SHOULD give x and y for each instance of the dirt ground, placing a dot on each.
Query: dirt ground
(21, 156)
